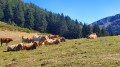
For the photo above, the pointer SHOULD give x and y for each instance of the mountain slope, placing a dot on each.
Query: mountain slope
(111, 23)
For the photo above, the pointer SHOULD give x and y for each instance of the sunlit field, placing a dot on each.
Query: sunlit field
(103, 51)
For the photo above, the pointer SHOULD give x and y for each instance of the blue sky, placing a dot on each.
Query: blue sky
(87, 11)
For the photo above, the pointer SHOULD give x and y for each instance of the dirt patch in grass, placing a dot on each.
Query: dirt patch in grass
(11, 64)
(30, 60)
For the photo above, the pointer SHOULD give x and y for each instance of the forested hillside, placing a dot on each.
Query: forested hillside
(18, 13)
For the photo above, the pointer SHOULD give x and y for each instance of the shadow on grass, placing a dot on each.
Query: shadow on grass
(5, 51)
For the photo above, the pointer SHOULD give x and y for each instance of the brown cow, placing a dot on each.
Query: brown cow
(37, 42)
(30, 46)
(6, 40)
(51, 41)
(92, 36)
(15, 47)
(26, 40)
(40, 38)
(53, 36)
(60, 39)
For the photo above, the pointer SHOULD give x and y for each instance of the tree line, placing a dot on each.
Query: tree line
(28, 15)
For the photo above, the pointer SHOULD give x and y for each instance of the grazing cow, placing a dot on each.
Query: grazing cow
(26, 40)
(15, 47)
(92, 36)
(6, 40)
(30, 46)
(51, 41)
(53, 36)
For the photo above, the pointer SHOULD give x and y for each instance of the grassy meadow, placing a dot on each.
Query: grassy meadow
(101, 52)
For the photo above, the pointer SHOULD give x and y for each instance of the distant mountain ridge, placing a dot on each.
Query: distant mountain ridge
(111, 23)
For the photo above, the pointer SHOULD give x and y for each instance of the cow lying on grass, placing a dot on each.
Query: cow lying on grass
(26, 40)
(61, 39)
(51, 41)
(40, 38)
(30, 46)
(53, 36)
(92, 36)
(48, 40)
(15, 47)
(6, 40)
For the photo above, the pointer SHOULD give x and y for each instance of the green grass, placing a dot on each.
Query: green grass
(101, 52)
(4, 26)
(44, 34)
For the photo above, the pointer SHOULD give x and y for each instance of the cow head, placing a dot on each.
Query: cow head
(10, 39)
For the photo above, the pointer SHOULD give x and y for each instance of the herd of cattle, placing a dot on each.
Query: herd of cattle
(32, 43)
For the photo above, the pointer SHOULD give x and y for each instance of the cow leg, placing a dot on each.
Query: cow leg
(39, 43)
(1, 43)
(6, 44)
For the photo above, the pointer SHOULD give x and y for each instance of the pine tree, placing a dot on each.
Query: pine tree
(117, 33)
(112, 33)
(1, 13)
(19, 15)
(42, 25)
(89, 30)
(9, 22)
(84, 31)
(50, 19)
(36, 19)
(96, 29)
(8, 14)
(77, 30)
(13, 23)
(103, 33)
(29, 19)
(1, 9)
(63, 27)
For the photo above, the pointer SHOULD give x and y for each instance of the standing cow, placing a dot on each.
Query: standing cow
(6, 40)
(26, 40)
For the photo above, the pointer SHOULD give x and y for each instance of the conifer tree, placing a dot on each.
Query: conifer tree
(8, 14)
(29, 19)
(1, 13)
(112, 33)
(19, 15)
(117, 33)
(43, 24)
(9, 22)
(89, 30)
(96, 29)
(84, 31)
(63, 27)
(103, 32)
